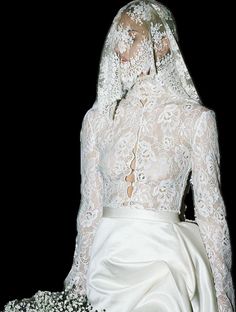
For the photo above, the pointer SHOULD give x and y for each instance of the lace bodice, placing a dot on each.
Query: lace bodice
(144, 159)
(146, 134)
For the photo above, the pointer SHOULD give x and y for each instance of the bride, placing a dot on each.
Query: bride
(145, 140)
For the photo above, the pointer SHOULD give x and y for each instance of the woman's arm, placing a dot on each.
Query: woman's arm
(90, 210)
(210, 212)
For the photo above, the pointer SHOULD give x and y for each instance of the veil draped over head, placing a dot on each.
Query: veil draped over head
(141, 40)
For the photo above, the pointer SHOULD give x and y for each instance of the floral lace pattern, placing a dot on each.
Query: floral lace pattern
(157, 26)
(174, 138)
(210, 211)
(143, 138)
(90, 210)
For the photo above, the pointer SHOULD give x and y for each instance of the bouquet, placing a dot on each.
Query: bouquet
(46, 301)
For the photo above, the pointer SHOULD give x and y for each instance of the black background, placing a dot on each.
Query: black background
(51, 57)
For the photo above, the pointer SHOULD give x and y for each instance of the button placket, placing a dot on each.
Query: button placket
(131, 178)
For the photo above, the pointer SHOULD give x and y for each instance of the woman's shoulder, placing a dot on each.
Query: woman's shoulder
(203, 109)
(91, 114)
(192, 114)
(94, 118)
(194, 110)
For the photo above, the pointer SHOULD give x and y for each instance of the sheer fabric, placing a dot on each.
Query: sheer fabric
(145, 135)
(146, 31)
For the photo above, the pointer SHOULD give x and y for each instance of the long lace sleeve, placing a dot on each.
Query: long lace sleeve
(90, 210)
(210, 212)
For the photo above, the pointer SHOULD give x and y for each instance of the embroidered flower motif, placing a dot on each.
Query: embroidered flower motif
(182, 156)
(169, 118)
(140, 12)
(145, 151)
(168, 142)
(165, 193)
(124, 38)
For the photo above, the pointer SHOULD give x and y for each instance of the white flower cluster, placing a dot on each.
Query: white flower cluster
(47, 301)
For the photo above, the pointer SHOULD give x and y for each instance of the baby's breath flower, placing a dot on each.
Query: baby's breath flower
(46, 301)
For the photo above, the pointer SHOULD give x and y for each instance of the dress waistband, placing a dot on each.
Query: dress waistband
(136, 213)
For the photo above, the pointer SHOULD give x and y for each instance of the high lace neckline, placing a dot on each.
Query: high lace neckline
(145, 91)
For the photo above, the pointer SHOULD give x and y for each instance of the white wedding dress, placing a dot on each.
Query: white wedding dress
(133, 253)
(146, 139)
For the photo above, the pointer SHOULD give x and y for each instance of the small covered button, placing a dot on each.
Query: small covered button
(141, 176)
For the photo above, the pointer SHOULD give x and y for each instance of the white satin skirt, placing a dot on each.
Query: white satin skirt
(146, 261)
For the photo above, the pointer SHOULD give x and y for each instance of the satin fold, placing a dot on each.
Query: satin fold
(146, 261)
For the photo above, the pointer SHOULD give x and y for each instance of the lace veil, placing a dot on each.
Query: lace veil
(141, 40)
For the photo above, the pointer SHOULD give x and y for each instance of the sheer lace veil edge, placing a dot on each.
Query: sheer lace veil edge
(167, 65)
